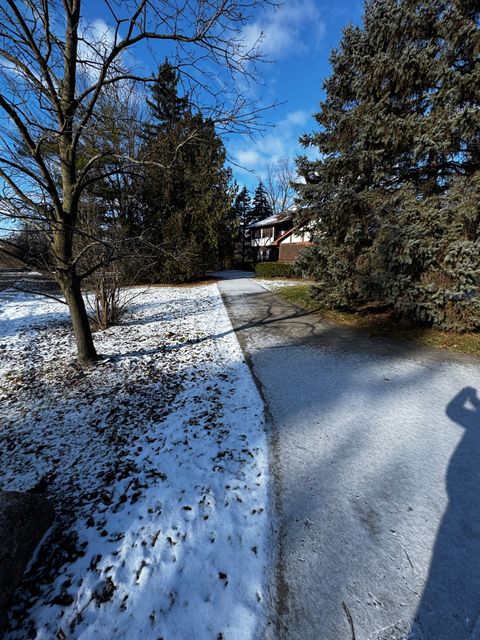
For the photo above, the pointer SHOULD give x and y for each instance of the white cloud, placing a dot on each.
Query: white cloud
(248, 157)
(97, 40)
(287, 29)
(281, 141)
(298, 117)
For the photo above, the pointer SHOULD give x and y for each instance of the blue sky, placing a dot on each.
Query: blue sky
(299, 37)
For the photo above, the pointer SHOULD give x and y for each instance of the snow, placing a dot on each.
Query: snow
(155, 462)
(275, 285)
(284, 216)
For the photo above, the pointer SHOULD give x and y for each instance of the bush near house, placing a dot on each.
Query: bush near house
(276, 270)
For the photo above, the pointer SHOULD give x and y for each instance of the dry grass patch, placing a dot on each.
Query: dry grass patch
(383, 323)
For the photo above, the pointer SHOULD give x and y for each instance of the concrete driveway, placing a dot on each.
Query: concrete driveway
(375, 451)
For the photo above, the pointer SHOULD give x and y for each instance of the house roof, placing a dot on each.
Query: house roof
(271, 221)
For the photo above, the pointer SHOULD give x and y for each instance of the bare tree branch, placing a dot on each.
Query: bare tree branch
(55, 76)
(279, 184)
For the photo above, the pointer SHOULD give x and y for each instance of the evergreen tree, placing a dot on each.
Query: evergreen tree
(229, 232)
(242, 205)
(187, 186)
(396, 193)
(166, 107)
(243, 211)
(261, 205)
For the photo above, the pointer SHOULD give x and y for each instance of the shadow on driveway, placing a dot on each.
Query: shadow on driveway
(376, 477)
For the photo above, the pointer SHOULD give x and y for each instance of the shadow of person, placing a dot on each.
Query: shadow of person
(450, 604)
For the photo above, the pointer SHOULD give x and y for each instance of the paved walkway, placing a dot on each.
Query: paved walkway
(375, 451)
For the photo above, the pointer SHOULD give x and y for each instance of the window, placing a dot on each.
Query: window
(264, 255)
(267, 232)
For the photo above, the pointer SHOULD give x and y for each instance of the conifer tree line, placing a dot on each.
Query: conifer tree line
(180, 213)
(176, 212)
(247, 211)
(170, 213)
(395, 197)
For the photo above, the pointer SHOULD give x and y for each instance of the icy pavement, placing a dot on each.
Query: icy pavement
(376, 469)
(278, 283)
(155, 462)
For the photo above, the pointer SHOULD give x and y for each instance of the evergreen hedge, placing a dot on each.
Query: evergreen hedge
(275, 270)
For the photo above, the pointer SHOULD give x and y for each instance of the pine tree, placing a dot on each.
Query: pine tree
(187, 186)
(228, 232)
(395, 195)
(242, 208)
(261, 205)
(166, 107)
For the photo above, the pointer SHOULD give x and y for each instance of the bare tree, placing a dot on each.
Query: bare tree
(55, 69)
(278, 184)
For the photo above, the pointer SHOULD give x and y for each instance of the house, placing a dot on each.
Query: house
(276, 239)
(264, 233)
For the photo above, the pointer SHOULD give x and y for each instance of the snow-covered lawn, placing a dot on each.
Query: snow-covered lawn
(155, 462)
(277, 283)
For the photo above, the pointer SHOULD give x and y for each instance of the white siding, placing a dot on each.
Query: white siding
(262, 242)
(296, 237)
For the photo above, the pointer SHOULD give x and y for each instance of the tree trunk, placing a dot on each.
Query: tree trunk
(86, 352)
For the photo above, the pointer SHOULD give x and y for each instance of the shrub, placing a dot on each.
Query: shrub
(275, 270)
(107, 302)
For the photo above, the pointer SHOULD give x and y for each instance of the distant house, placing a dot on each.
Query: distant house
(275, 238)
